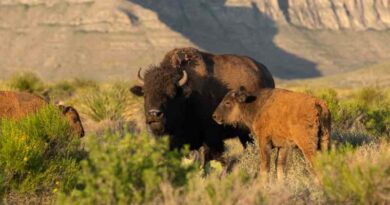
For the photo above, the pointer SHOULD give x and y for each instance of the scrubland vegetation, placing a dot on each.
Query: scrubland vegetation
(41, 162)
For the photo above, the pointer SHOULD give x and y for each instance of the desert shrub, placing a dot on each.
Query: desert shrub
(62, 90)
(127, 170)
(378, 121)
(26, 82)
(38, 154)
(366, 110)
(106, 103)
(356, 176)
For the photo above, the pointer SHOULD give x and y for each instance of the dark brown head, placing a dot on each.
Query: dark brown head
(229, 110)
(73, 118)
(165, 90)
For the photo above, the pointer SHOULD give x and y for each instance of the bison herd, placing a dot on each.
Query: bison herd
(200, 99)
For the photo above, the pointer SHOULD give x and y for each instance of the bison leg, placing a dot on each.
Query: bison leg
(245, 139)
(281, 160)
(324, 137)
(308, 150)
(265, 148)
(213, 154)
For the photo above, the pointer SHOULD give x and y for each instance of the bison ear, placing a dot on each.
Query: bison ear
(241, 97)
(137, 90)
(244, 96)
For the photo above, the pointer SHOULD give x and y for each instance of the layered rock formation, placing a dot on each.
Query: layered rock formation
(339, 14)
(106, 39)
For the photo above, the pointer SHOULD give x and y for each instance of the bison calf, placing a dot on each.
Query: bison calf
(279, 119)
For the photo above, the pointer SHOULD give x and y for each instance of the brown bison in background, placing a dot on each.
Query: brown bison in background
(279, 119)
(182, 92)
(16, 105)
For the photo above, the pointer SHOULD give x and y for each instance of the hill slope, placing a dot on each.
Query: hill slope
(110, 39)
(369, 76)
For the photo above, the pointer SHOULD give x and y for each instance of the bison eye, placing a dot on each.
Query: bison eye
(228, 103)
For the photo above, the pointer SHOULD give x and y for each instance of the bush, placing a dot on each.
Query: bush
(62, 90)
(127, 170)
(26, 82)
(366, 110)
(38, 154)
(110, 103)
(361, 176)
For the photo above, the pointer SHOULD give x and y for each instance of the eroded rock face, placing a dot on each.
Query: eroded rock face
(107, 39)
(340, 14)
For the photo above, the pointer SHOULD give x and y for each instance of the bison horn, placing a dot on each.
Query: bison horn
(140, 79)
(184, 79)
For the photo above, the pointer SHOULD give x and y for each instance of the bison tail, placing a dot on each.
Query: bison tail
(324, 131)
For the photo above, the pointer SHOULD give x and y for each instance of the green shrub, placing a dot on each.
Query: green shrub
(62, 90)
(109, 103)
(366, 110)
(356, 176)
(126, 170)
(39, 153)
(26, 82)
(377, 121)
(370, 96)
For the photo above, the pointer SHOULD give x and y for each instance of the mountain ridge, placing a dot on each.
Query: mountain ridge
(110, 39)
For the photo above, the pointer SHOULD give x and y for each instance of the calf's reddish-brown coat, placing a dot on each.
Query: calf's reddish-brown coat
(279, 119)
(16, 105)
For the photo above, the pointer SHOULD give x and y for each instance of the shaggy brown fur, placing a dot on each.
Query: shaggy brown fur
(16, 105)
(279, 119)
(232, 70)
(184, 111)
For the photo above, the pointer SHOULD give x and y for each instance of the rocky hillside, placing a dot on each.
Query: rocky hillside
(107, 39)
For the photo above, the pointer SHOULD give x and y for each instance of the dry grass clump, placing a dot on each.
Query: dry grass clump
(346, 175)
(356, 176)
(104, 103)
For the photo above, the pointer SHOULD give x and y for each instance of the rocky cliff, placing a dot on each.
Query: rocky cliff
(325, 14)
(106, 39)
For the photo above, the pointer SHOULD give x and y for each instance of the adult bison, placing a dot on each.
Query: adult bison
(16, 105)
(182, 92)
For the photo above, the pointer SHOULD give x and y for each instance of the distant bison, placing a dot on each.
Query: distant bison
(182, 92)
(279, 119)
(16, 105)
